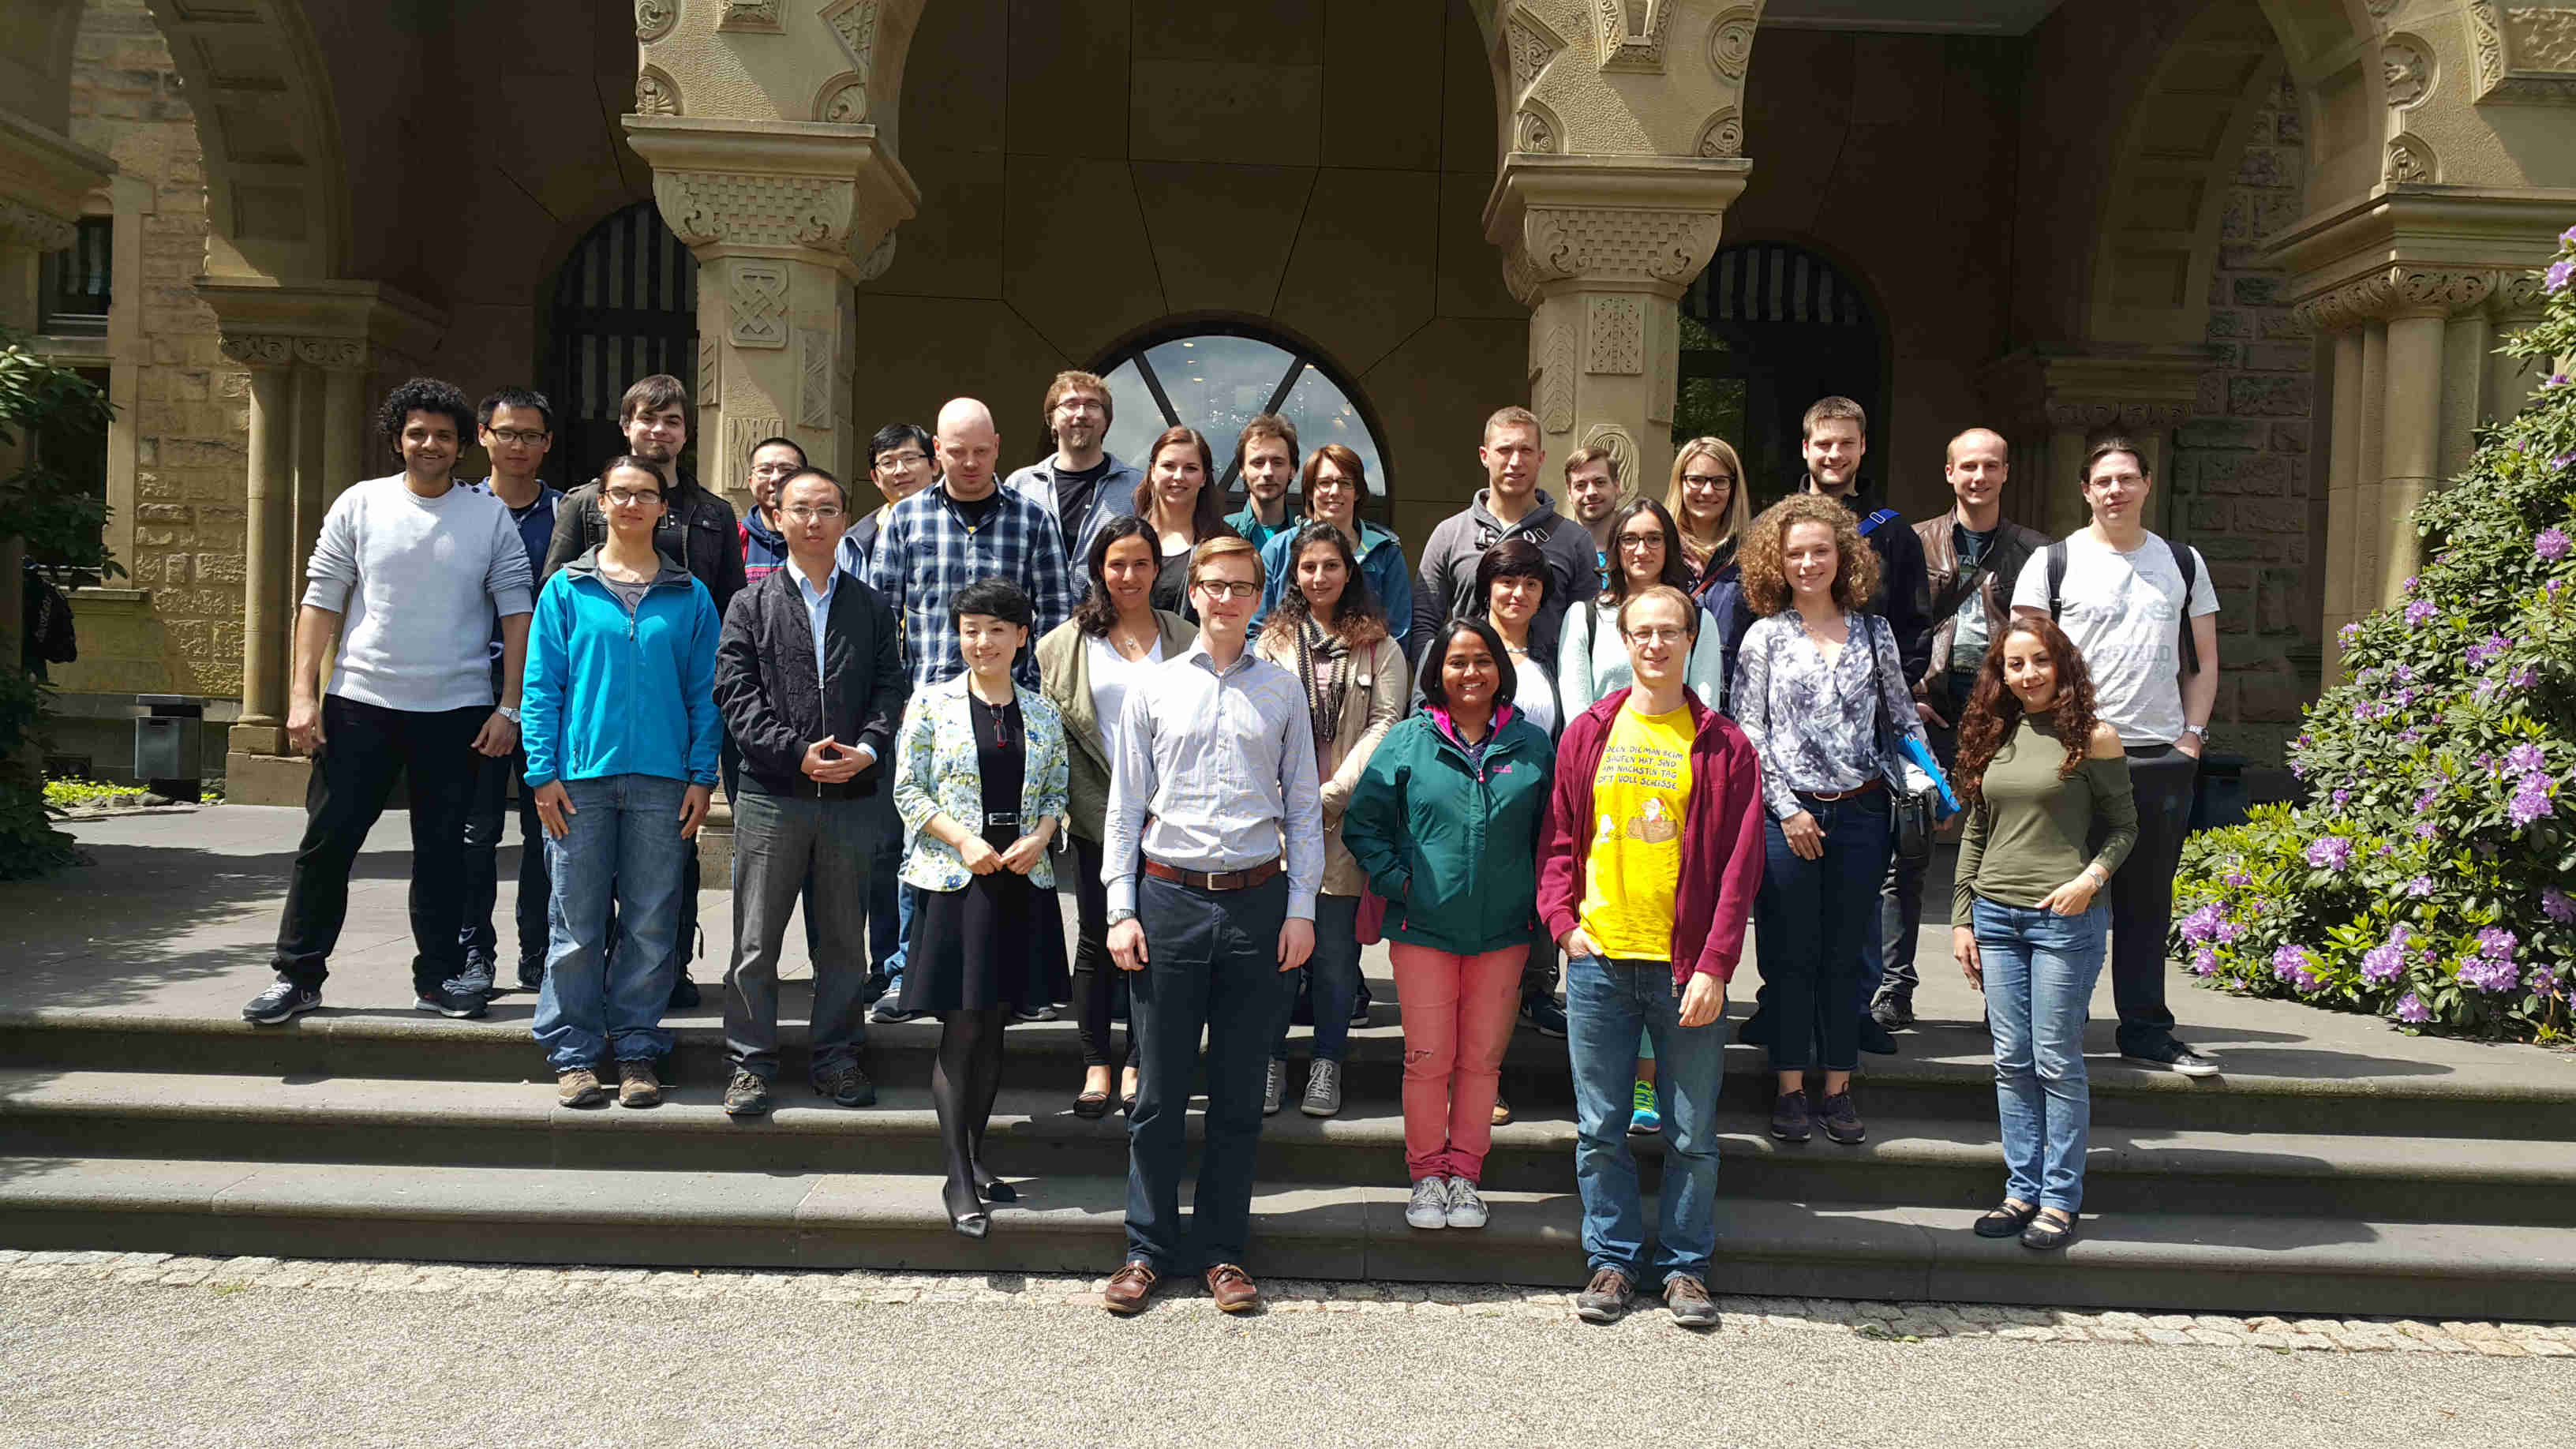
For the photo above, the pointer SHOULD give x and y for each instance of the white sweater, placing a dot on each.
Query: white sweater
(418, 583)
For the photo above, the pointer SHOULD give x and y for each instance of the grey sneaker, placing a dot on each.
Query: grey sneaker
(281, 1001)
(1895, 1013)
(1466, 1209)
(1603, 1299)
(1430, 1205)
(1323, 1090)
(747, 1095)
(2174, 1055)
(1274, 1090)
(1688, 1298)
(474, 980)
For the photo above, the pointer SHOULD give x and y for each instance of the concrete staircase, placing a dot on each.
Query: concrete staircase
(387, 1134)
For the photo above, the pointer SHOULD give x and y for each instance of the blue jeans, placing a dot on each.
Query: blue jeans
(623, 839)
(2040, 969)
(889, 909)
(1334, 971)
(1816, 925)
(1607, 1004)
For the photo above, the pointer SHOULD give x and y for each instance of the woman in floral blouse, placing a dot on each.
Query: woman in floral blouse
(980, 781)
(1820, 692)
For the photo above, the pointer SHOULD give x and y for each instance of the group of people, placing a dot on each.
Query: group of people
(1606, 742)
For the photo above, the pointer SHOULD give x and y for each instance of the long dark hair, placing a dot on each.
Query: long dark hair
(1677, 570)
(1356, 619)
(1095, 614)
(1994, 710)
(1207, 519)
(1435, 688)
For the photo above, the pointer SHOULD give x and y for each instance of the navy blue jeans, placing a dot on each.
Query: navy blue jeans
(1334, 971)
(1816, 924)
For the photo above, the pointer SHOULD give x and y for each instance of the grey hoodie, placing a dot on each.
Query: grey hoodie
(1447, 582)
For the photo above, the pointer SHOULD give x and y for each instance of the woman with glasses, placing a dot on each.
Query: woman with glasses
(1085, 667)
(1820, 692)
(1327, 631)
(1335, 484)
(1178, 499)
(621, 730)
(980, 780)
(1709, 501)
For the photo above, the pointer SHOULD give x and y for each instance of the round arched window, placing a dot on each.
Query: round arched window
(1216, 380)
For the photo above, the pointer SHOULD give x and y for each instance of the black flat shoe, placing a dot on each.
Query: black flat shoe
(2046, 1234)
(1091, 1106)
(2004, 1221)
(993, 1189)
(969, 1221)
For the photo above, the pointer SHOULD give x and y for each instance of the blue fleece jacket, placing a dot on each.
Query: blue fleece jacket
(609, 693)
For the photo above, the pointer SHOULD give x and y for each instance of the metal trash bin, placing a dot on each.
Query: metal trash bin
(169, 746)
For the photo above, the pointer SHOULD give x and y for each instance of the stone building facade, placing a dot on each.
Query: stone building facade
(2275, 239)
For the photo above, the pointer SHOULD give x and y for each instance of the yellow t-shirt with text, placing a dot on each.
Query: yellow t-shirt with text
(1638, 796)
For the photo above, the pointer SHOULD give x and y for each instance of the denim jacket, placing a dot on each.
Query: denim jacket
(936, 773)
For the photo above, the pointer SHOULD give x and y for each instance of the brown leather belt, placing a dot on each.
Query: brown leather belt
(1830, 796)
(1220, 880)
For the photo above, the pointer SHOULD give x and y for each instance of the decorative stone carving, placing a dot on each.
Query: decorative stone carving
(705, 208)
(2103, 417)
(259, 349)
(654, 19)
(2410, 162)
(2402, 291)
(1622, 448)
(1555, 390)
(1663, 246)
(814, 378)
(855, 22)
(2525, 53)
(2541, 37)
(710, 380)
(2379, 8)
(741, 435)
(1632, 48)
(2406, 65)
(1536, 130)
(1664, 350)
(874, 264)
(761, 15)
(26, 226)
(2518, 295)
(1615, 327)
(1730, 41)
(2486, 41)
(656, 94)
(1723, 135)
(336, 354)
(757, 298)
(1532, 45)
(842, 99)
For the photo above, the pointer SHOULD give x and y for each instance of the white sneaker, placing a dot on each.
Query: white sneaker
(1430, 1205)
(1466, 1209)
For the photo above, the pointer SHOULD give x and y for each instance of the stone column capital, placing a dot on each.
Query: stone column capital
(2446, 252)
(2099, 387)
(45, 179)
(1613, 224)
(813, 191)
(334, 326)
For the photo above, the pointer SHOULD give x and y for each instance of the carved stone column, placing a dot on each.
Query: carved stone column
(1601, 249)
(2054, 402)
(318, 354)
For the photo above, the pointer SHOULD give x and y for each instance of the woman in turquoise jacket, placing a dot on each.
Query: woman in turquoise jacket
(621, 731)
(1446, 823)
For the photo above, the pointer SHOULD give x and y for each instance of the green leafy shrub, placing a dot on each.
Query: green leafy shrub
(2429, 877)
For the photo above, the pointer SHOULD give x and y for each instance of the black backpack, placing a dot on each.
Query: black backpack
(2182, 558)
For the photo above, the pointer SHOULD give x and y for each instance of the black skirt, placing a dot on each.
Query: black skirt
(998, 940)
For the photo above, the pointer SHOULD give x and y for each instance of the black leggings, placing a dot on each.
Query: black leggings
(1096, 978)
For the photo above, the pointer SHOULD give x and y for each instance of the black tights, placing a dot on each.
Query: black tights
(963, 1082)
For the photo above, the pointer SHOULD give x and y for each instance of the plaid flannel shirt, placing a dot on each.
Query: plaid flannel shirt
(924, 554)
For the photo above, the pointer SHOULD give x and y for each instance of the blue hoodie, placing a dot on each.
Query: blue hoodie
(610, 693)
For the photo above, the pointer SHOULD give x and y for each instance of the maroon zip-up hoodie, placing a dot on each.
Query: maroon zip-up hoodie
(1721, 837)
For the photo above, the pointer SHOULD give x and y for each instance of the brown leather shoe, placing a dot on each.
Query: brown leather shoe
(1128, 1289)
(1233, 1289)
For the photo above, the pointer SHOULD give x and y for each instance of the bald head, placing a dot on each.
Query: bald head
(968, 449)
(1979, 460)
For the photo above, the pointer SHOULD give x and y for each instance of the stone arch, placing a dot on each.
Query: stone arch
(277, 193)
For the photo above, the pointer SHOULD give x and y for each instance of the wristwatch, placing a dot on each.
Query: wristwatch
(1122, 913)
(2201, 730)
(507, 713)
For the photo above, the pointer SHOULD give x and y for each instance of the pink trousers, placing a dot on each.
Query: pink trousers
(1458, 1014)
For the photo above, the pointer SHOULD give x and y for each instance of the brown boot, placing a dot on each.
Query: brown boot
(637, 1086)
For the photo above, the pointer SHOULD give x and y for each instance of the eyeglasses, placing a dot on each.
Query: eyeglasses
(1642, 540)
(519, 436)
(1080, 405)
(633, 497)
(1657, 634)
(902, 460)
(1708, 480)
(773, 470)
(1227, 589)
(803, 514)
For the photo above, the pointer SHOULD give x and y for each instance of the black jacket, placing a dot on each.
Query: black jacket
(774, 705)
(698, 532)
(1904, 597)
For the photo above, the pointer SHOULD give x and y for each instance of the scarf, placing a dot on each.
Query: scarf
(1324, 695)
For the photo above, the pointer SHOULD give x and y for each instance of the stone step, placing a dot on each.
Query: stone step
(1942, 1073)
(2150, 1261)
(1921, 1162)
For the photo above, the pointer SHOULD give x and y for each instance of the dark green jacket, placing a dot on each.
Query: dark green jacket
(1452, 845)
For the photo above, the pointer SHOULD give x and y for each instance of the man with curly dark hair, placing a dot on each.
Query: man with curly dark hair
(409, 573)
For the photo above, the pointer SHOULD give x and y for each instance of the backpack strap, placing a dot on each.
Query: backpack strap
(1877, 520)
(2056, 578)
(2182, 558)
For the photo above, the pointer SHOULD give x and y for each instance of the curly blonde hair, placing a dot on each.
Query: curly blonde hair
(1766, 584)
